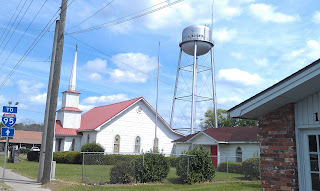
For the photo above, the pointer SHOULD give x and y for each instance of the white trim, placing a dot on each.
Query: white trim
(214, 140)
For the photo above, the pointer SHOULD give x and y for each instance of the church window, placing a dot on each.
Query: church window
(137, 145)
(156, 145)
(116, 146)
(238, 155)
(72, 145)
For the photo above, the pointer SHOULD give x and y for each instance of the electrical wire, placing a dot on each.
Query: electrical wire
(31, 47)
(91, 16)
(10, 19)
(124, 19)
(16, 27)
(13, 23)
(23, 34)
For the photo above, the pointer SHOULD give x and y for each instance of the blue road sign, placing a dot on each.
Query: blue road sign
(8, 109)
(7, 132)
(9, 120)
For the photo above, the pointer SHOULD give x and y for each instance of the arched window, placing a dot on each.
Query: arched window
(156, 145)
(72, 145)
(238, 155)
(137, 145)
(116, 146)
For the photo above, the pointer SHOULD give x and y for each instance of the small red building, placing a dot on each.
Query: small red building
(289, 130)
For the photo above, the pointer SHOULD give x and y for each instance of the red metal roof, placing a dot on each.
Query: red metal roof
(99, 115)
(228, 134)
(70, 109)
(72, 91)
(59, 130)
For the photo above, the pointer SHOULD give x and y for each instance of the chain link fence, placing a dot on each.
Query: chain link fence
(96, 166)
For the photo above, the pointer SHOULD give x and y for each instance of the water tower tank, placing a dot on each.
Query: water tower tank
(201, 34)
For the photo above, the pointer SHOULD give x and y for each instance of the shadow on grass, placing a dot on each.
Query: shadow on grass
(175, 181)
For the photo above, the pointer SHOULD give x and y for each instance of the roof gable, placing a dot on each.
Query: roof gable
(292, 89)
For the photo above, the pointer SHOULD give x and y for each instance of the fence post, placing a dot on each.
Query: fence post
(82, 167)
(142, 168)
(227, 169)
(187, 166)
(260, 167)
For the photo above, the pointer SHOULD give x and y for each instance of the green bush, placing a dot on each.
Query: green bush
(115, 158)
(155, 168)
(68, 157)
(24, 151)
(173, 161)
(122, 173)
(92, 147)
(33, 156)
(198, 168)
(233, 167)
(251, 169)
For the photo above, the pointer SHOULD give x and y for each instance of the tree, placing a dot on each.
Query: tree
(224, 120)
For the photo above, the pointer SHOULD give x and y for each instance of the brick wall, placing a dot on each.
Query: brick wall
(279, 169)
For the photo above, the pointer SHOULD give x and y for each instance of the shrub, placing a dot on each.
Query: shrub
(33, 156)
(198, 168)
(68, 157)
(233, 167)
(155, 168)
(122, 173)
(92, 147)
(24, 151)
(251, 168)
(173, 161)
(115, 158)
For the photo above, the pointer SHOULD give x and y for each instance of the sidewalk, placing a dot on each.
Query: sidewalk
(20, 183)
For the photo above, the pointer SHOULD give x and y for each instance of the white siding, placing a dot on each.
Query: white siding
(229, 150)
(70, 100)
(131, 124)
(203, 139)
(306, 109)
(69, 119)
(182, 147)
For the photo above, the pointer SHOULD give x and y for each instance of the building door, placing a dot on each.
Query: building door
(214, 154)
(311, 159)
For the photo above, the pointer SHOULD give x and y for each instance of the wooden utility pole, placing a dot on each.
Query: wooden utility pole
(54, 96)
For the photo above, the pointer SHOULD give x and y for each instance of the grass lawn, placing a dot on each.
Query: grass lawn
(71, 176)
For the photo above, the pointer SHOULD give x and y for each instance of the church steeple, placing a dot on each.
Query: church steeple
(73, 76)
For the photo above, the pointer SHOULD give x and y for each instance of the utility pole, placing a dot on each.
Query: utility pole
(54, 96)
(46, 116)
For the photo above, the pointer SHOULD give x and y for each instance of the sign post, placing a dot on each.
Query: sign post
(8, 120)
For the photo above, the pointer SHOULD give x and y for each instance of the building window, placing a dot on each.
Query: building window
(116, 146)
(238, 155)
(59, 144)
(156, 145)
(72, 145)
(137, 145)
(88, 138)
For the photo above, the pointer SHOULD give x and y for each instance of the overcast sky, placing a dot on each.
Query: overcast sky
(257, 44)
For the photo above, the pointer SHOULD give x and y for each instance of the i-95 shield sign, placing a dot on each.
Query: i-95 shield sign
(8, 120)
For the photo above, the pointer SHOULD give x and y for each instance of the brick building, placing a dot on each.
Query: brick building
(289, 130)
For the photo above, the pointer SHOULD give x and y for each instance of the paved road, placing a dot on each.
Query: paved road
(20, 183)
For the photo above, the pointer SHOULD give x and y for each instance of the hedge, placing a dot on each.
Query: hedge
(122, 173)
(92, 147)
(24, 151)
(173, 161)
(251, 169)
(233, 167)
(33, 156)
(68, 157)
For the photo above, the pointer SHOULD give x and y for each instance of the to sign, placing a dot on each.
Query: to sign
(7, 132)
(8, 109)
(8, 120)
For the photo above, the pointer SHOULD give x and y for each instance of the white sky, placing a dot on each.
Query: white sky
(257, 43)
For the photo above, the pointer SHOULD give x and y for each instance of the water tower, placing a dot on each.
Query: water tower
(196, 42)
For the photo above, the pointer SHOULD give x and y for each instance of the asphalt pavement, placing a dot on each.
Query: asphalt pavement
(20, 183)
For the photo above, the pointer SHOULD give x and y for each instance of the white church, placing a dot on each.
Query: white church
(126, 127)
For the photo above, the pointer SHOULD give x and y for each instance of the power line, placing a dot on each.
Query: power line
(31, 47)
(123, 19)
(13, 23)
(91, 15)
(16, 27)
(10, 19)
(23, 34)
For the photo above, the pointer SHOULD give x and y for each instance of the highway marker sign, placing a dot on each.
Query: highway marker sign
(9, 119)
(7, 132)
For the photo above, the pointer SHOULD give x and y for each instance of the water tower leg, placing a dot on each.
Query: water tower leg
(194, 89)
(214, 90)
(175, 90)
